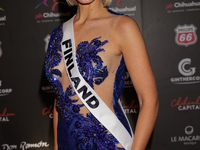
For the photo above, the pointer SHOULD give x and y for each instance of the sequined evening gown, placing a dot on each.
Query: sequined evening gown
(78, 129)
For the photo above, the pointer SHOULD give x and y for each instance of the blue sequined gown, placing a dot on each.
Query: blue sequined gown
(77, 131)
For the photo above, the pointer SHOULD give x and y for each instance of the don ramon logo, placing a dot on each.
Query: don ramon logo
(185, 35)
(25, 145)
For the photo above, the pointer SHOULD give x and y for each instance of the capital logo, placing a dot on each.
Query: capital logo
(184, 104)
(189, 130)
(182, 67)
(55, 3)
(4, 117)
(46, 40)
(1, 52)
(132, 108)
(185, 35)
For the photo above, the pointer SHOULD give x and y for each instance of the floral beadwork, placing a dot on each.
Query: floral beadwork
(92, 135)
(87, 131)
(53, 58)
(86, 55)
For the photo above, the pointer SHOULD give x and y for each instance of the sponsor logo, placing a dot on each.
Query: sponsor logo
(189, 130)
(183, 104)
(24, 145)
(124, 9)
(132, 108)
(130, 11)
(55, 3)
(182, 67)
(190, 138)
(4, 117)
(51, 14)
(8, 147)
(4, 91)
(48, 111)
(182, 6)
(1, 52)
(187, 73)
(48, 89)
(185, 35)
(46, 40)
(127, 80)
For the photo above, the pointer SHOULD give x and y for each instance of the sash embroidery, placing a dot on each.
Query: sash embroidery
(87, 95)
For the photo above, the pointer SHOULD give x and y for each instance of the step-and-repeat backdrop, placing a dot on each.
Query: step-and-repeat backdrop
(170, 29)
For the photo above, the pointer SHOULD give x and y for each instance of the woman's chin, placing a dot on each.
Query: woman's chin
(85, 2)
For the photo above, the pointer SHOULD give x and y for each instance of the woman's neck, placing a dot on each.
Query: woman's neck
(94, 10)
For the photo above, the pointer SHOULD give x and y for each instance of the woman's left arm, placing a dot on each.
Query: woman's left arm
(133, 48)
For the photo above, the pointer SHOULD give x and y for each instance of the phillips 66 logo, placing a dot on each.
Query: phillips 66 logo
(185, 35)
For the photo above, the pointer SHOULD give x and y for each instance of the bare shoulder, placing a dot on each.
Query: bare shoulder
(126, 32)
(126, 26)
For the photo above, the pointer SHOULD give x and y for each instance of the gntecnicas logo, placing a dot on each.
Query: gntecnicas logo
(4, 91)
(184, 6)
(1, 52)
(2, 17)
(189, 137)
(185, 104)
(185, 35)
(47, 11)
(188, 72)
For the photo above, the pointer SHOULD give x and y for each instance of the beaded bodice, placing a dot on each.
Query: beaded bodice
(84, 130)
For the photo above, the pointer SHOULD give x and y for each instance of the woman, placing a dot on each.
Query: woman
(103, 41)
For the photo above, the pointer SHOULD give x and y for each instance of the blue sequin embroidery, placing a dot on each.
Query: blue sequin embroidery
(86, 55)
(87, 131)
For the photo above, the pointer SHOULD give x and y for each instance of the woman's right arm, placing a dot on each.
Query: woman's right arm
(55, 125)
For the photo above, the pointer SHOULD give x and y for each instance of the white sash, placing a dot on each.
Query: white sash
(86, 94)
